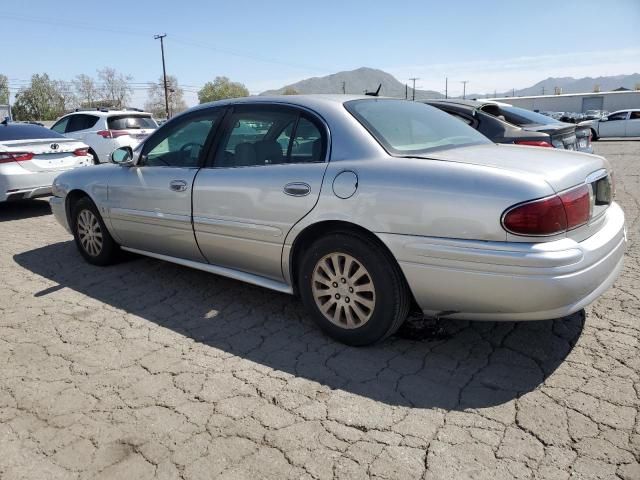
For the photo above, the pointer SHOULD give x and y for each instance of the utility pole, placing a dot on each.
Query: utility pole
(446, 87)
(344, 87)
(164, 73)
(464, 88)
(514, 93)
(542, 90)
(414, 87)
(406, 91)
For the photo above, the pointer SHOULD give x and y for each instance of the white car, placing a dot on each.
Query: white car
(623, 123)
(106, 130)
(32, 156)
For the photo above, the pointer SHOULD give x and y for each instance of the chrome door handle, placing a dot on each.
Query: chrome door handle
(297, 189)
(178, 185)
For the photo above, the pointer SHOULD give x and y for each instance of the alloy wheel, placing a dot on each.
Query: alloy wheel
(343, 290)
(89, 232)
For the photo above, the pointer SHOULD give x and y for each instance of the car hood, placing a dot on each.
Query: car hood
(561, 169)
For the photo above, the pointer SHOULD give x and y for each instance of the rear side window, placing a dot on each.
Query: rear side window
(260, 136)
(131, 122)
(81, 122)
(26, 132)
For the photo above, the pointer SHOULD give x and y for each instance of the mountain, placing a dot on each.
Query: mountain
(578, 85)
(367, 79)
(355, 81)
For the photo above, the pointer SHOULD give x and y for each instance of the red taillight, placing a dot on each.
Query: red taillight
(81, 152)
(577, 205)
(551, 215)
(533, 143)
(6, 157)
(112, 133)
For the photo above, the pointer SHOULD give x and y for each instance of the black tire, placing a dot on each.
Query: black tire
(108, 250)
(594, 136)
(390, 294)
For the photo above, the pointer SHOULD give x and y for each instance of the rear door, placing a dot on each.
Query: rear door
(614, 126)
(633, 124)
(264, 176)
(150, 203)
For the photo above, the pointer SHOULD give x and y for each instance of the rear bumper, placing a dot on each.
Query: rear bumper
(476, 280)
(22, 184)
(59, 211)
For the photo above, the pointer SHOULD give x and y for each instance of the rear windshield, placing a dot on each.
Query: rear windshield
(407, 128)
(128, 122)
(521, 116)
(17, 131)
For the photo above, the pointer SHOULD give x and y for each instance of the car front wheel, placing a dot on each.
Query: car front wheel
(353, 288)
(91, 235)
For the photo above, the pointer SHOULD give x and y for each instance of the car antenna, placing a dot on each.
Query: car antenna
(374, 94)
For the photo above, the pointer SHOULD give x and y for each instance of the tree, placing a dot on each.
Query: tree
(220, 89)
(155, 98)
(115, 87)
(42, 100)
(290, 91)
(4, 89)
(86, 90)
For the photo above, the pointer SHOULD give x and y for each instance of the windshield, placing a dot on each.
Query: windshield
(521, 116)
(128, 122)
(407, 128)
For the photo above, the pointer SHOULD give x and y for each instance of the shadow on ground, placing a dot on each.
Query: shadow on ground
(21, 209)
(478, 364)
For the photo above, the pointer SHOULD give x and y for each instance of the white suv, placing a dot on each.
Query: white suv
(105, 130)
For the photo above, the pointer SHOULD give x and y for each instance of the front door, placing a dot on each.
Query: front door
(264, 176)
(614, 126)
(150, 203)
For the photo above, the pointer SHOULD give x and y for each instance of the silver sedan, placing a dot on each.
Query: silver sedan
(366, 207)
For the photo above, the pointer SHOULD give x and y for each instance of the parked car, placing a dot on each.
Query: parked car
(32, 156)
(564, 135)
(623, 123)
(595, 114)
(105, 130)
(494, 128)
(378, 207)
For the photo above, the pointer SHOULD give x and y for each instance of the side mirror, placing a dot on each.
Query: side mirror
(604, 119)
(122, 156)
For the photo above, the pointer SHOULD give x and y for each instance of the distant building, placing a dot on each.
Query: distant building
(577, 102)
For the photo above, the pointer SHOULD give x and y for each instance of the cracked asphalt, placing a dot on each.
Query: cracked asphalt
(151, 370)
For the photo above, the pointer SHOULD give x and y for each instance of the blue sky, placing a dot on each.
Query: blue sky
(495, 45)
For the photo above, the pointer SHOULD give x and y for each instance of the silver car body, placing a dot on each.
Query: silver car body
(439, 216)
(33, 178)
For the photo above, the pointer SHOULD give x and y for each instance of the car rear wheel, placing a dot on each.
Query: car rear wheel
(91, 235)
(353, 289)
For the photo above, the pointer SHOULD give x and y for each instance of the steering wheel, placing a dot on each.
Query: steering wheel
(189, 146)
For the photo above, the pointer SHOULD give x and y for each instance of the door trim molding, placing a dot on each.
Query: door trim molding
(217, 270)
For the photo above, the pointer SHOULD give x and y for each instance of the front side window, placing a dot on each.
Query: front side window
(618, 116)
(266, 136)
(179, 145)
(407, 128)
(635, 115)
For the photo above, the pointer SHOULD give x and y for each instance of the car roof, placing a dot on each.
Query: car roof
(108, 113)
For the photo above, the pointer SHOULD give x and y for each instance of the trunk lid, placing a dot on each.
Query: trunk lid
(561, 169)
(49, 154)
